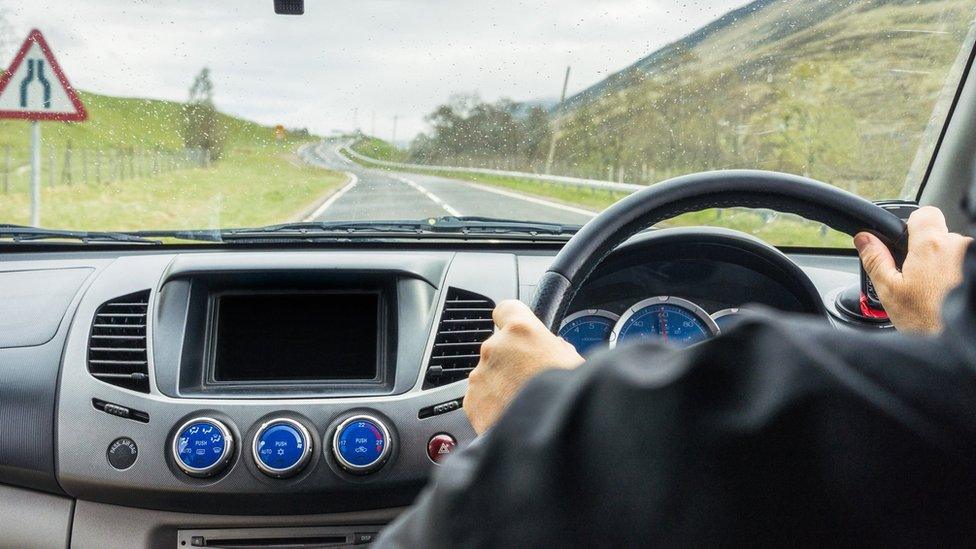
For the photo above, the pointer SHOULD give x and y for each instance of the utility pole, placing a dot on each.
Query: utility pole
(395, 117)
(355, 119)
(372, 123)
(555, 124)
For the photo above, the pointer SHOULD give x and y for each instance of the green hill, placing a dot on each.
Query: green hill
(841, 91)
(128, 171)
(128, 122)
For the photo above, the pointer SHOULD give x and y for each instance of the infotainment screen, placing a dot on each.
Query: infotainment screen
(274, 337)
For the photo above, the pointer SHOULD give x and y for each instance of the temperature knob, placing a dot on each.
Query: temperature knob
(203, 447)
(282, 447)
(361, 444)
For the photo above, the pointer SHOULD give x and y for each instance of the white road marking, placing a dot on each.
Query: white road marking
(527, 198)
(335, 196)
(433, 197)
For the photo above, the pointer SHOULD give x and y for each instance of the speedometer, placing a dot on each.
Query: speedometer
(664, 318)
(588, 330)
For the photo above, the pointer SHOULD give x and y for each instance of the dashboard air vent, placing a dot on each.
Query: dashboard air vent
(465, 323)
(117, 346)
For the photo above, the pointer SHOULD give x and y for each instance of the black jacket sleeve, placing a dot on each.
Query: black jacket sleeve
(775, 433)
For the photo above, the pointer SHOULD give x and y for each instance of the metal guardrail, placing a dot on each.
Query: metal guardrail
(557, 179)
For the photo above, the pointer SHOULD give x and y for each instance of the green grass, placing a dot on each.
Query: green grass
(122, 122)
(776, 229)
(374, 147)
(258, 181)
(252, 185)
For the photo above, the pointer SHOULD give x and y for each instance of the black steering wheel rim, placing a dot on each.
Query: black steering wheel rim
(836, 208)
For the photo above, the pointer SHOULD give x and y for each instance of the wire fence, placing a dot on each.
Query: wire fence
(67, 166)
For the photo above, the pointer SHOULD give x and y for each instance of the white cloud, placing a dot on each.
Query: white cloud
(376, 56)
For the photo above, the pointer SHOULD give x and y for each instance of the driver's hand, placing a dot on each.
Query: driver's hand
(519, 349)
(913, 296)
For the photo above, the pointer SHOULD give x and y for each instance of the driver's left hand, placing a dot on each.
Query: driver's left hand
(520, 349)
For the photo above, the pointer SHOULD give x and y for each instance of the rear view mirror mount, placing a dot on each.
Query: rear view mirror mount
(289, 7)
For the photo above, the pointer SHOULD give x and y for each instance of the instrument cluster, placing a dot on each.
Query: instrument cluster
(668, 319)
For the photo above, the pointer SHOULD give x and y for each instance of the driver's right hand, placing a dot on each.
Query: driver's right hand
(913, 296)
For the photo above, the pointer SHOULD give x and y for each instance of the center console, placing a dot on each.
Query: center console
(288, 383)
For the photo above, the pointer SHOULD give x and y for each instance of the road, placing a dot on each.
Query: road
(375, 194)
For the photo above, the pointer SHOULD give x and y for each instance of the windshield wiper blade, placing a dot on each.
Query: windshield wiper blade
(496, 225)
(23, 233)
(445, 225)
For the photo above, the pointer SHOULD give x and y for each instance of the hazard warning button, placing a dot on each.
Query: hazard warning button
(440, 446)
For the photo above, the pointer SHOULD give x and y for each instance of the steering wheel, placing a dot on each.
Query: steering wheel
(782, 192)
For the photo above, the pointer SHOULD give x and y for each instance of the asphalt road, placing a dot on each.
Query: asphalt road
(375, 194)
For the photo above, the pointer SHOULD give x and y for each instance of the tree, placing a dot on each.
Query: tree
(202, 126)
(468, 127)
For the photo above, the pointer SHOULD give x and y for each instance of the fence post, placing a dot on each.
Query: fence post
(132, 169)
(66, 176)
(6, 169)
(98, 166)
(84, 165)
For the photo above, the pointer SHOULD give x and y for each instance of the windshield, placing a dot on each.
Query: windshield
(226, 115)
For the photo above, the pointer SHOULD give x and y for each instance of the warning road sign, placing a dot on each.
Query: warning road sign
(35, 88)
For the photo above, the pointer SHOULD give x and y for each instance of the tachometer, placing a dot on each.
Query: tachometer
(727, 318)
(588, 330)
(665, 318)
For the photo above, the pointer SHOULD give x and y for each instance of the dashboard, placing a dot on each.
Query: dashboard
(183, 397)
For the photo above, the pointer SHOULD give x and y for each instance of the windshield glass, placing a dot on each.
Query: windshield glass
(223, 115)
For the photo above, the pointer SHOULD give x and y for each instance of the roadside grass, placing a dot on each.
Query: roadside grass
(126, 122)
(251, 185)
(777, 229)
(374, 147)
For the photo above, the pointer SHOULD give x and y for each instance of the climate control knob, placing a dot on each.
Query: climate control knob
(361, 444)
(203, 447)
(282, 447)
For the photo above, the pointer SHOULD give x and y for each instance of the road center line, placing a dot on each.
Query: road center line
(433, 197)
(335, 196)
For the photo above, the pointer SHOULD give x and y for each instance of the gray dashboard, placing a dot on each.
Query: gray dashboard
(55, 440)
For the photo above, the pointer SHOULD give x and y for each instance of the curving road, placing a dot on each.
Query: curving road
(375, 194)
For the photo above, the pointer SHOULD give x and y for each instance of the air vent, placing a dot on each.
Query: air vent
(117, 347)
(465, 324)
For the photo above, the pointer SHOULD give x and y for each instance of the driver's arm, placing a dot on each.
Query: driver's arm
(522, 347)
(781, 430)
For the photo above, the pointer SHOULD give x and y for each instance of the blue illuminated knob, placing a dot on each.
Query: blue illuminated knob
(203, 447)
(282, 447)
(361, 444)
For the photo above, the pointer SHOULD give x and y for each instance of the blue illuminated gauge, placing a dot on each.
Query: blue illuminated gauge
(727, 318)
(673, 320)
(361, 444)
(588, 330)
(202, 447)
(282, 447)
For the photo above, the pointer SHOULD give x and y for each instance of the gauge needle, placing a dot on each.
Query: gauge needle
(662, 322)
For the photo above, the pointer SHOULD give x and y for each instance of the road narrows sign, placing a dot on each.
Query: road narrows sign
(35, 87)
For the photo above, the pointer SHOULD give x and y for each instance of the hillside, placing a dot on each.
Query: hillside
(842, 91)
(128, 171)
(127, 122)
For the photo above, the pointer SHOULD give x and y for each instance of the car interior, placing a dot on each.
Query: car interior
(299, 386)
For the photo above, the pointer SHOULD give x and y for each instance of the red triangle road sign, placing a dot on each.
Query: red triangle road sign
(35, 88)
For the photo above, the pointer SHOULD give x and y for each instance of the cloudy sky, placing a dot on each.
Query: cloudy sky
(353, 59)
